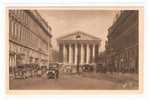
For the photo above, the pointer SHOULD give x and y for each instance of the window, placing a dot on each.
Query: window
(21, 14)
(23, 17)
(27, 20)
(22, 33)
(26, 35)
(29, 36)
(15, 29)
(10, 27)
(18, 33)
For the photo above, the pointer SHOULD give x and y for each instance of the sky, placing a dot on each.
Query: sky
(93, 22)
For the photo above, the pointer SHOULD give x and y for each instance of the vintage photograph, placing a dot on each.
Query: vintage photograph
(73, 49)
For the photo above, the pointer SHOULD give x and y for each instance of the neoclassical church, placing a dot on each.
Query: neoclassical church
(78, 48)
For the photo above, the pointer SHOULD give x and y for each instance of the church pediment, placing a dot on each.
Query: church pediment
(78, 35)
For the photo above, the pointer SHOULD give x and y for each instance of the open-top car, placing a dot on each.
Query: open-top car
(20, 72)
(87, 68)
(53, 71)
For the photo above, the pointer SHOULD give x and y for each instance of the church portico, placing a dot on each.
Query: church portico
(78, 48)
(85, 53)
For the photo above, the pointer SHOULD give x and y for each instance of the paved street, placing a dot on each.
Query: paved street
(67, 82)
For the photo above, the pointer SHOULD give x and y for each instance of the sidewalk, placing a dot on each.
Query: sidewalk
(125, 80)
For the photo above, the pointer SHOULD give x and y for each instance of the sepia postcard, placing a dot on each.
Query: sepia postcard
(74, 49)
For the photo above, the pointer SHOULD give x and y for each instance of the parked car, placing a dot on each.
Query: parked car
(43, 68)
(53, 71)
(67, 69)
(100, 68)
(24, 71)
(28, 70)
(87, 68)
(35, 69)
(20, 72)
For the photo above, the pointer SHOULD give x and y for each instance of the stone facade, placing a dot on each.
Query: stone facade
(124, 31)
(29, 38)
(123, 40)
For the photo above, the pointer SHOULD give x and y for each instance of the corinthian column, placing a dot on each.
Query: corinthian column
(82, 54)
(64, 53)
(87, 54)
(70, 54)
(76, 54)
(93, 54)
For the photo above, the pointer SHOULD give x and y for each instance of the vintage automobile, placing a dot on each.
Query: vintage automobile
(35, 70)
(20, 72)
(28, 70)
(87, 68)
(100, 68)
(67, 69)
(23, 71)
(39, 72)
(53, 71)
(43, 69)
